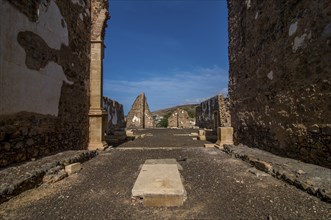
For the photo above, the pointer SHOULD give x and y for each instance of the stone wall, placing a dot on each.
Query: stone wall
(140, 116)
(279, 54)
(44, 71)
(213, 113)
(179, 119)
(115, 113)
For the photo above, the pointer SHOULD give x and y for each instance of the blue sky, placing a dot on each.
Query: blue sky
(174, 51)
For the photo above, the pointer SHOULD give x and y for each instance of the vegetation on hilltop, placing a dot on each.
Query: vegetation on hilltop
(189, 108)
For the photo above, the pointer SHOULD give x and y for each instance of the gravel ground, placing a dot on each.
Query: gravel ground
(164, 138)
(218, 187)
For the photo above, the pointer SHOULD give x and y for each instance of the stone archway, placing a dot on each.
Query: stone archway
(99, 17)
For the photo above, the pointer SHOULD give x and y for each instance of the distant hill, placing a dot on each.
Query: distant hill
(190, 108)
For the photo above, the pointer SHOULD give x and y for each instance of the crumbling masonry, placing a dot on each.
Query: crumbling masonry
(140, 116)
(51, 56)
(115, 115)
(280, 70)
(179, 119)
(45, 91)
(213, 113)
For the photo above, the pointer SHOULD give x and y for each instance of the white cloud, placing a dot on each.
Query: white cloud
(170, 89)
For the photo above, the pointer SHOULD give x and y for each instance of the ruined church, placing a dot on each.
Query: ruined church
(51, 78)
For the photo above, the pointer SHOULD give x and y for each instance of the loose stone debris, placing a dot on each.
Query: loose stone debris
(73, 168)
(310, 178)
(209, 145)
(16, 179)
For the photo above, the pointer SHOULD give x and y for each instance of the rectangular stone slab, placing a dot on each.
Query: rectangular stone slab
(161, 161)
(159, 185)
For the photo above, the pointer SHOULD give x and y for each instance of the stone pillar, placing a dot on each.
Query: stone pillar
(96, 113)
(202, 135)
(224, 136)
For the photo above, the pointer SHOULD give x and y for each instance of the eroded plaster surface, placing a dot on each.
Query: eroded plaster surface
(135, 119)
(44, 78)
(293, 28)
(31, 89)
(115, 114)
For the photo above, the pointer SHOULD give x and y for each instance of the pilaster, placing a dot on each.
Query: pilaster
(96, 113)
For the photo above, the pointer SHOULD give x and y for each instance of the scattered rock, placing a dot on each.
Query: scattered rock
(312, 190)
(73, 168)
(257, 173)
(300, 172)
(54, 170)
(61, 174)
(15, 180)
(209, 145)
(262, 165)
(307, 177)
(288, 177)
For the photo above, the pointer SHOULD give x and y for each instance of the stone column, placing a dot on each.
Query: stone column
(96, 113)
(224, 136)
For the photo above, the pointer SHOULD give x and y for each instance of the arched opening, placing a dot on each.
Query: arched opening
(97, 114)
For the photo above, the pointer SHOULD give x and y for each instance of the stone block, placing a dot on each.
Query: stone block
(209, 145)
(202, 135)
(224, 135)
(202, 138)
(73, 168)
(262, 165)
(221, 147)
(202, 132)
(129, 133)
(159, 184)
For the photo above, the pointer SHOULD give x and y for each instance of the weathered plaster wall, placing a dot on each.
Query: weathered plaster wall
(44, 72)
(213, 113)
(115, 112)
(280, 70)
(179, 119)
(140, 116)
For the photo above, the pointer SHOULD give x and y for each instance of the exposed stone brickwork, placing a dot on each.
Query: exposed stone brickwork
(116, 119)
(179, 119)
(45, 70)
(140, 116)
(97, 115)
(279, 53)
(213, 113)
(99, 19)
